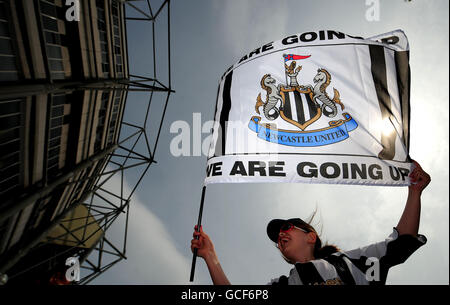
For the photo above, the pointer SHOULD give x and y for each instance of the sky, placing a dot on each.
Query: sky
(208, 36)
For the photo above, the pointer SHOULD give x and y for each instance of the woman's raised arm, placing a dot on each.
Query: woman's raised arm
(409, 222)
(206, 251)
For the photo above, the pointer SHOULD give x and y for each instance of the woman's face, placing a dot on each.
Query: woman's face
(295, 244)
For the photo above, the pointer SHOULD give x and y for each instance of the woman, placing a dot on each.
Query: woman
(301, 246)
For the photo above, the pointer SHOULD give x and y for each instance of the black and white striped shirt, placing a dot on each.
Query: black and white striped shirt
(363, 266)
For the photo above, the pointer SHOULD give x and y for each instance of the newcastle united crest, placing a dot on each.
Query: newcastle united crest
(300, 106)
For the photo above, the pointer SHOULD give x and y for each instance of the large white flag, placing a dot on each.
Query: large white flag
(315, 107)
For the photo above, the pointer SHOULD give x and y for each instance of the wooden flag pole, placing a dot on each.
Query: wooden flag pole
(199, 221)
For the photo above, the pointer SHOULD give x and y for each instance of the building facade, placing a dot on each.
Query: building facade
(63, 87)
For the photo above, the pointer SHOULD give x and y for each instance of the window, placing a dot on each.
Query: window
(8, 63)
(54, 52)
(9, 184)
(9, 107)
(54, 139)
(56, 65)
(101, 121)
(10, 159)
(50, 24)
(53, 152)
(114, 115)
(53, 39)
(55, 132)
(116, 39)
(11, 128)
(58, 75)
(56, 122)
(3, 10)
(54, 142)
(4, 28)
(10, 147)
(8, 76)
(57, 111)
(101, 25)
(9, 135)
(9, 68)
(5, 46)
(47, 9)
(59, 100)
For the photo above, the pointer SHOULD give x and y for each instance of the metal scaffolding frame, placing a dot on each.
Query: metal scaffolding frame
(104, 204)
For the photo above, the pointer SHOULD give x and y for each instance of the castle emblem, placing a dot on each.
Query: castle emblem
(301, 106)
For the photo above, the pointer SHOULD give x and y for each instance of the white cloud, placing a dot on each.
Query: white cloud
(152, 255)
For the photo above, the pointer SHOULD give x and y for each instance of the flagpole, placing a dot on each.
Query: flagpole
(199, 221)
(285, 73)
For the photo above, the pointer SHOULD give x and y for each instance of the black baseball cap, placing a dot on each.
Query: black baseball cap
(273, 228)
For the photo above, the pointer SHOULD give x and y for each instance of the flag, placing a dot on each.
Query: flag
(288, 57)
(340, 115)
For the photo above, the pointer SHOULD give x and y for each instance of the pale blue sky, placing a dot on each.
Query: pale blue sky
(206, 38)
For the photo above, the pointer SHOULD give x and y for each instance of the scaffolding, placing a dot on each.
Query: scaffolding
(81, 231)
